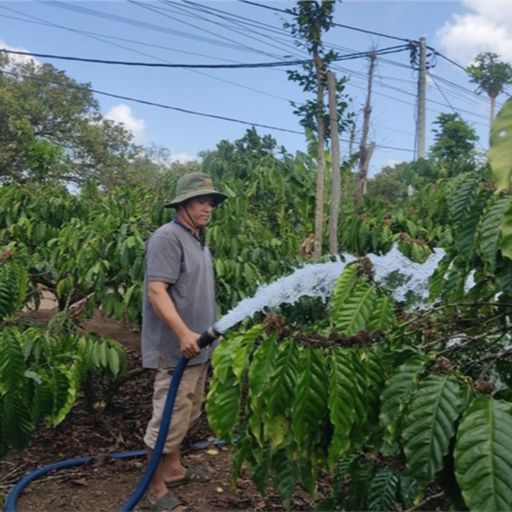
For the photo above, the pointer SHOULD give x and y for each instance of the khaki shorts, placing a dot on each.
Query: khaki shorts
(187, 407)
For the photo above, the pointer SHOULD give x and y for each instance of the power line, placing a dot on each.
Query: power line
(349, 27)
(177, 109)
(137, 23)
(384, 51)
(451, 61)
(193, 12)
(108, 36)
(451, 106)
(86, 34)
(159, 105)
(159, 11)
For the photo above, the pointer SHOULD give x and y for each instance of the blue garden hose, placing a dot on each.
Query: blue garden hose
(205, 339)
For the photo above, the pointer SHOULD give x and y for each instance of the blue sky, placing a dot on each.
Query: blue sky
(175, 32)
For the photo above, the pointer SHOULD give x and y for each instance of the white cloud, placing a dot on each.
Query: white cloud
(18, 59)
(393, 162)
(181, 157)
(123, 114)
(487, 27)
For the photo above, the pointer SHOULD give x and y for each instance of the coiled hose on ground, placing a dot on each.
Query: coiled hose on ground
(205, 339)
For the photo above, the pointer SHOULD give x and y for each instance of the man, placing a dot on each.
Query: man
(179, 304)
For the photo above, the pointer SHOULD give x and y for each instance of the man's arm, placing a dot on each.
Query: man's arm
(164, 307)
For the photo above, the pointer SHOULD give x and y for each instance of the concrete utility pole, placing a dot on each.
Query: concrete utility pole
(422, 99)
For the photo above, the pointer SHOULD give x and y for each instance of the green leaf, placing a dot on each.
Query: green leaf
(285, 474)
(341, 402)
(17, 427)
(12, 362)
(483, 455)
(354, 314)
(383, 315)
(65, 389)
(489, 231)
(343, 286)
(260, 372)
(500, 152)
(309, 406)
(463, 197)
(396, 395)
(430, 424)
(505, 227)
(383, 491)
(223, 406)
(284, 379)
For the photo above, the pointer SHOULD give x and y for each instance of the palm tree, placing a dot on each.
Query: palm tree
(491, 75)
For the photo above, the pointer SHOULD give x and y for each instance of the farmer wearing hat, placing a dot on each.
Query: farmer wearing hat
(179, 304)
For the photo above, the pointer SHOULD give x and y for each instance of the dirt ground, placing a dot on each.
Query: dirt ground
(104, 484)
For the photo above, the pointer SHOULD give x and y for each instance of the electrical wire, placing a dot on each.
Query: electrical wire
(451, 106)
(349, 27)
(219, 79)
(178, 109)
(40, 21)
(384, 51)
(160, 105)
(181, 21)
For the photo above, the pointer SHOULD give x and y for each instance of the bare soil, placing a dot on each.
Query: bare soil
(104, 484)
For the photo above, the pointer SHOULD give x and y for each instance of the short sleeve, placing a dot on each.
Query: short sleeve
(163, 259)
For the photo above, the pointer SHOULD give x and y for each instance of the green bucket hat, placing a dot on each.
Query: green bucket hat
(192, 185)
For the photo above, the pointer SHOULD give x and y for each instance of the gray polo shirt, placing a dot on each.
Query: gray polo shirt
(175, 256)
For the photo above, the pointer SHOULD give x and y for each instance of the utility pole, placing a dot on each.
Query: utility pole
(422, 99)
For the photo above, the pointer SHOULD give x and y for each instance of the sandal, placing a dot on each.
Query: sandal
(167, 502)
(191, 476)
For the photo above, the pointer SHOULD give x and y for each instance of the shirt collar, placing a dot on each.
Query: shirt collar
(200, 236)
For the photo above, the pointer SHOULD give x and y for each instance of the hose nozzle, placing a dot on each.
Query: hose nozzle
(208, 337)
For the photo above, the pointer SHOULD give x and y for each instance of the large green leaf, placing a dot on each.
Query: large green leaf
(12, 363)
(223, 405)
(462, 200)
(500, 152)
(396, 395)
(483, 455)
(260, 371)
(341, 401)
(489, 232)
(281, 393)
(309, 407)
(383, 315)
(354, 314)
(505, 227)
(343, 286)
(430, 424)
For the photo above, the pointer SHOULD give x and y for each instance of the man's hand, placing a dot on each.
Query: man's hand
(188, 344)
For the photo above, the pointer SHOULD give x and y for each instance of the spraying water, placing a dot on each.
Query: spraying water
(318, 279)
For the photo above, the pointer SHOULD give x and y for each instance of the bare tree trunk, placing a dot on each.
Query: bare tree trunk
(335, 157)
(364, 151)
(320, 174)
(492, 101)
(352, 139)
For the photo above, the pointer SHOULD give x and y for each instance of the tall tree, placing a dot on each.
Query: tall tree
(365, 149)
(491, 76)
(453, 143)
(311, 20)
(51, 129)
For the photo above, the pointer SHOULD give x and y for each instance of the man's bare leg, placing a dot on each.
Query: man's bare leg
(158, 487)
(173, 468)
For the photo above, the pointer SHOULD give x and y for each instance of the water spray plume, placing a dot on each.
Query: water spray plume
(318, 279)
